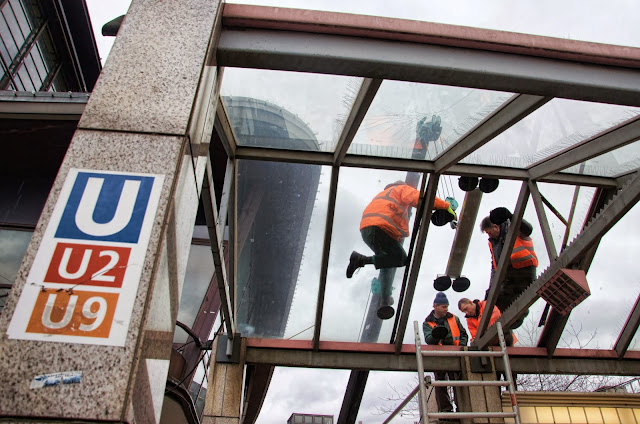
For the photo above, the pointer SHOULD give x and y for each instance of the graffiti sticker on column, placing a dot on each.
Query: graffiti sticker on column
(84, 279)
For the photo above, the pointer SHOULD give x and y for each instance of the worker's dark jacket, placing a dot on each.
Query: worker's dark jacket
(444, 321)
(523, 254)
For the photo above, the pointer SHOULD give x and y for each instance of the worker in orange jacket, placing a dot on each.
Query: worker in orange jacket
(523, 261)
(385, 222)
(473, 311)
(441, 327)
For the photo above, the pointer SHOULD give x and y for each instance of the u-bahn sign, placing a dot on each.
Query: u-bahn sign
(83, 282)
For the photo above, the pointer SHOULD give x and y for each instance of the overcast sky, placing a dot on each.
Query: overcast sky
(613, 276)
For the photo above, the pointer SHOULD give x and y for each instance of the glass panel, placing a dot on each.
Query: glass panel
(299, 418)
(14, 32)
(555, 126)
(280, 235)
(18, 11)
(23, 74)
(620, 161)
(32, 71)
(561, 415)
(347, 301)
(13, 245)
(612, 281)
(290, 110)
(196, 282)
(577, 414)
(401, 113)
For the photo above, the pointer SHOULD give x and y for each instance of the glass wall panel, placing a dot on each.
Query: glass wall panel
(281, 216)
(291, 110)
(400, 118)
(350, 305)
(13, 245)
(620, 161)
(555, 126)
(614, 285)
(196, 282)
(19, 13)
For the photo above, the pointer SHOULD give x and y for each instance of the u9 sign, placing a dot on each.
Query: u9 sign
(83, 282)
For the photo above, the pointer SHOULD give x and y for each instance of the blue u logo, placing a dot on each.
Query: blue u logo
(106, 207)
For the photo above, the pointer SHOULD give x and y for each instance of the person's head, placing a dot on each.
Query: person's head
(395, 183)
(491, 229)
(466, 306)
(440, 305)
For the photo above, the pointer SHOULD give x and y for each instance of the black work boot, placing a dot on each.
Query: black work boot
(356, 261)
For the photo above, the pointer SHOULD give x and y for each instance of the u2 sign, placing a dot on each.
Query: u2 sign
(83, 282)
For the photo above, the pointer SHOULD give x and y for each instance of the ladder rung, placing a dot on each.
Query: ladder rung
(471, 414)
(484, 353)
(467, 383)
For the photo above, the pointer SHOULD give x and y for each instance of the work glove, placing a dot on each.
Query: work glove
(429, 131)
(452, 212)
(499, 215)
(439, 332)
(452, 202)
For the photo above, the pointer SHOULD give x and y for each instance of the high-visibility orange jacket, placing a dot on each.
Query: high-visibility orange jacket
(457, 336)
(389, 210)
(474, 320)
(523, 253)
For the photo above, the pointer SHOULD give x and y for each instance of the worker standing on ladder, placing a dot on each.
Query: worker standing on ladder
(523, 261)
(385, 222)
(443, 328)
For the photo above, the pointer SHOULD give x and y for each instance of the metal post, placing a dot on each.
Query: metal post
(422, 400)
(507, 372)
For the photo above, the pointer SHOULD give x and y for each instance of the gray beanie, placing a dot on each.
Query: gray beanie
(441, 299)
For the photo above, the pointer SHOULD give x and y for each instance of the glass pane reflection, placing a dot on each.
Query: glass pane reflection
(400, 114)
(620, 161)
(196, 282)
(13, 245)
(555, 126)
(281, 216)
(291, 110)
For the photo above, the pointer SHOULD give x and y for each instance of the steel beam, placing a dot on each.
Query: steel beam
(428, 63)
(504, 261)
(552, 331)
(523, 361)
(425, 220)
(411, 165)
(629, 330)
(50, 106)
(211, 215)
(461, 240)
(326, 247)
(225, 130)
(359, 109)
(544, 223)
(606, 141)
(512, 111)
(591, 234)
(353, 397)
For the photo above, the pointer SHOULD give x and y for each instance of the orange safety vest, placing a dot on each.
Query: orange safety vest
(473, 322)
(453, 327)
(523, 254)
(389, 210)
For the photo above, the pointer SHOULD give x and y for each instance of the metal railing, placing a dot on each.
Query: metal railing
(423, 382)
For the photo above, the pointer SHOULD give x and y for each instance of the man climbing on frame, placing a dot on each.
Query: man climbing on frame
(523, 261)
(441, 327)
(384, 224)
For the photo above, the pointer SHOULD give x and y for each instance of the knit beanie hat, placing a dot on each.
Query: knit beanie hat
(441, 299)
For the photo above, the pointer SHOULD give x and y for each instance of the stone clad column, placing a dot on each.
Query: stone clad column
(86, 331)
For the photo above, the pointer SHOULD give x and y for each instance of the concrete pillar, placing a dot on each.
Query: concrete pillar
(224, 393)
(480, 398)
(95, 301)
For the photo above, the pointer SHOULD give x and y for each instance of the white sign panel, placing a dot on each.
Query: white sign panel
(84, 278)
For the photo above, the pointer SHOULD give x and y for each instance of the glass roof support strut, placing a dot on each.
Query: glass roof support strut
(503, 263)
(574, 252)
(542, 219)
(212, 217)
(597, 145)
(462, 238)
(628, 330)
(515, 109)
(361, 105)
(326, 247)
(425, 219)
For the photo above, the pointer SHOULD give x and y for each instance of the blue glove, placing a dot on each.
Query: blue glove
(452, 202)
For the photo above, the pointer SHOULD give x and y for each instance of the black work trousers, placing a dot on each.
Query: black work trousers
(388, 255)
(442, 394)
